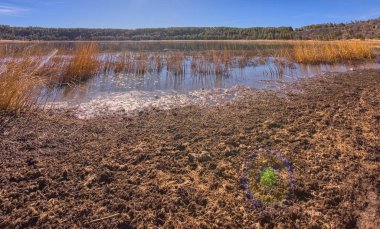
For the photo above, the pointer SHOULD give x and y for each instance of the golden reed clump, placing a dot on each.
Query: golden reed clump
(83, 65)
(316, 52)
(26, 75)
(175, 63)
(21, 84)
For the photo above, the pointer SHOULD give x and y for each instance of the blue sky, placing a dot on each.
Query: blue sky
(173, 13)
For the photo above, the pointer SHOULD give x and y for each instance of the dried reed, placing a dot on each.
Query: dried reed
(83, 65)
(21, 84)
(330, 51)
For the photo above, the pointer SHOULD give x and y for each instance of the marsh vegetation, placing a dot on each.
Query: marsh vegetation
(31, 72)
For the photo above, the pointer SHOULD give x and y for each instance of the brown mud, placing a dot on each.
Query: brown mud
(181, 167)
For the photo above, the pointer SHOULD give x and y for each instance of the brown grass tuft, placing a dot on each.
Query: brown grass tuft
(175, 63)
(20, 86)
(83, 65)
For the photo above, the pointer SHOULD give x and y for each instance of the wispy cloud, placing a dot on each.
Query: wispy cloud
(17, 7)
(10, 10)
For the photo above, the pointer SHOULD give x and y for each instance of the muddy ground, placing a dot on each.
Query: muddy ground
(181, 167)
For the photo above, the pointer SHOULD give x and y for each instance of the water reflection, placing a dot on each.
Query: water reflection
(155, 46)
(260, 76)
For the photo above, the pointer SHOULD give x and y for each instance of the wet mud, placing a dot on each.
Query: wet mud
(181, 167)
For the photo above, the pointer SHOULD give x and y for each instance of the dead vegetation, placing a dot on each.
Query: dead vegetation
(219, 62)
(82, 65)
(26, 74)
(23, 81)
(331, 52)
(181, 168)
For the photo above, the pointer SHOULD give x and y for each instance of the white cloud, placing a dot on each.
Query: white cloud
(9, 10)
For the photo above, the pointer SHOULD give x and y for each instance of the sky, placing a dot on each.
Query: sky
(132, 14)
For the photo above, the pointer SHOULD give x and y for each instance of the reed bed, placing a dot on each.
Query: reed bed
(175, 63)
(123, 63)
(200, 66)
(21, 83)
(140, 63)
(219, 62)
(330, 52)
(116, 63)
(157, 63)
(83, 65)
(109, 62)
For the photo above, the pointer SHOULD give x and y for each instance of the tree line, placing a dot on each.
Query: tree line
(362, 29)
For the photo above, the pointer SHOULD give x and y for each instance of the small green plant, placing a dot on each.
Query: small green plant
(268, 177)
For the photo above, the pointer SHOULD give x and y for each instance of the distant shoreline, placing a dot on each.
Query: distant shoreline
(179, 41)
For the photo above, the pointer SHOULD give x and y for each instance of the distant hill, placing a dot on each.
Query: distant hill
(185, 33)
(361, 29)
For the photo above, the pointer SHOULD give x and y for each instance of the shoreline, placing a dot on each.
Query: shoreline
(376, 41)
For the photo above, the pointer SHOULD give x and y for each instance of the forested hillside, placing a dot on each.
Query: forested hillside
(363, 29)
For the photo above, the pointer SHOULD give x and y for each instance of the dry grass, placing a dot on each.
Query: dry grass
(122, 63)
(157, 63)
(26, 74)
(83, 65)
(331, 51)
(200, 65)
(20, 84)
(141, 63)
(2, 52)
(212, 62)
(175, 63)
